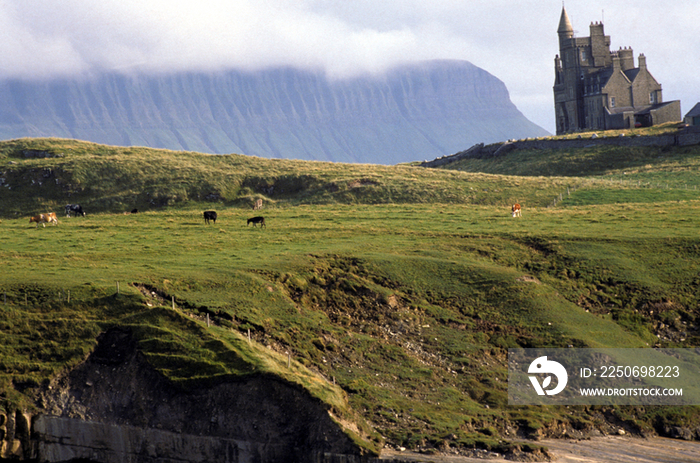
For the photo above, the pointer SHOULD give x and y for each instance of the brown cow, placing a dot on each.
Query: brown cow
(43, 219)
(258, 204)
(515, 210)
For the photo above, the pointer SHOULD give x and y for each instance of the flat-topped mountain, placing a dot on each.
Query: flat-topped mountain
(414, 112)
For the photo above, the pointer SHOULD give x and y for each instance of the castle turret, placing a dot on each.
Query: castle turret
(566, 30)
(626, 58)
(600, 45)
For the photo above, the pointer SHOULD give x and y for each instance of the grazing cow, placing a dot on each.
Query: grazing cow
(43, 219)
(75, 208)
(257, 205)
(209, 215)
(515, 210)
(39, 219)
(257, 220)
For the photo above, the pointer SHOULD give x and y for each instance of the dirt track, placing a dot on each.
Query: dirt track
(627, 450)
(596, 450)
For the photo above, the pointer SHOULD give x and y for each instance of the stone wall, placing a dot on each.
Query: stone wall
(685, 137)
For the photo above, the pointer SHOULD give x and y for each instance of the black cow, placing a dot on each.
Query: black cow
(209, 215)
(75, 208)
(257, 220)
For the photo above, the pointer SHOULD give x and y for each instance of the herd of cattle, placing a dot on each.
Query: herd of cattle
(209, 216)
(50, 217)
(76, 209)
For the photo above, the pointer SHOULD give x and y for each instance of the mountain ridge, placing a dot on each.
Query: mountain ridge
(413, 112)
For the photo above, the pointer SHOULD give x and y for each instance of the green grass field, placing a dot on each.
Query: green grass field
(396, 291)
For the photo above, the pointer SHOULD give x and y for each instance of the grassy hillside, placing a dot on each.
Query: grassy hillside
(651, 168)
(395, 291)
(111, 179)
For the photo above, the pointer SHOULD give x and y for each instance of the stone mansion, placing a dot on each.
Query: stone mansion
(596, 89)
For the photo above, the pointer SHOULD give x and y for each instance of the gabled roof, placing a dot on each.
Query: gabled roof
(631, 74)
(603, 75)
(695, 112)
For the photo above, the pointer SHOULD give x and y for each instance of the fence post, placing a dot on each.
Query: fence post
(173, 302)
(117, 287)
(207, 320)
(248, 335)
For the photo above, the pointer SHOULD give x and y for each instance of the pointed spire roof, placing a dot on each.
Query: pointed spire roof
(565, 26)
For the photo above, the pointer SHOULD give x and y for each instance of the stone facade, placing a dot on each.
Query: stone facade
(596, 89)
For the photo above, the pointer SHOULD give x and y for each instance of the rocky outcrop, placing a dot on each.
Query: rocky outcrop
(115, 408)
(67, 439)
(420, 111)
(14, 435)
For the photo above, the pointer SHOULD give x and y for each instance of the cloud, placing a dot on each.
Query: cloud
(515, 41)
(30, 54)
(78, 36)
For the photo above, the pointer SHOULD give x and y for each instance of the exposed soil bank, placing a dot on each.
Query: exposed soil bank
(596, 450)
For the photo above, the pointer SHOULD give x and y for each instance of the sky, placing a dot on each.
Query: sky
(515, 40)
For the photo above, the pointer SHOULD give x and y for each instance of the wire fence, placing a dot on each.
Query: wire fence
(626, 183)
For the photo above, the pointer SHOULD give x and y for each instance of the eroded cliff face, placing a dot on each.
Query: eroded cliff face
(115, 407)
(414, 112)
